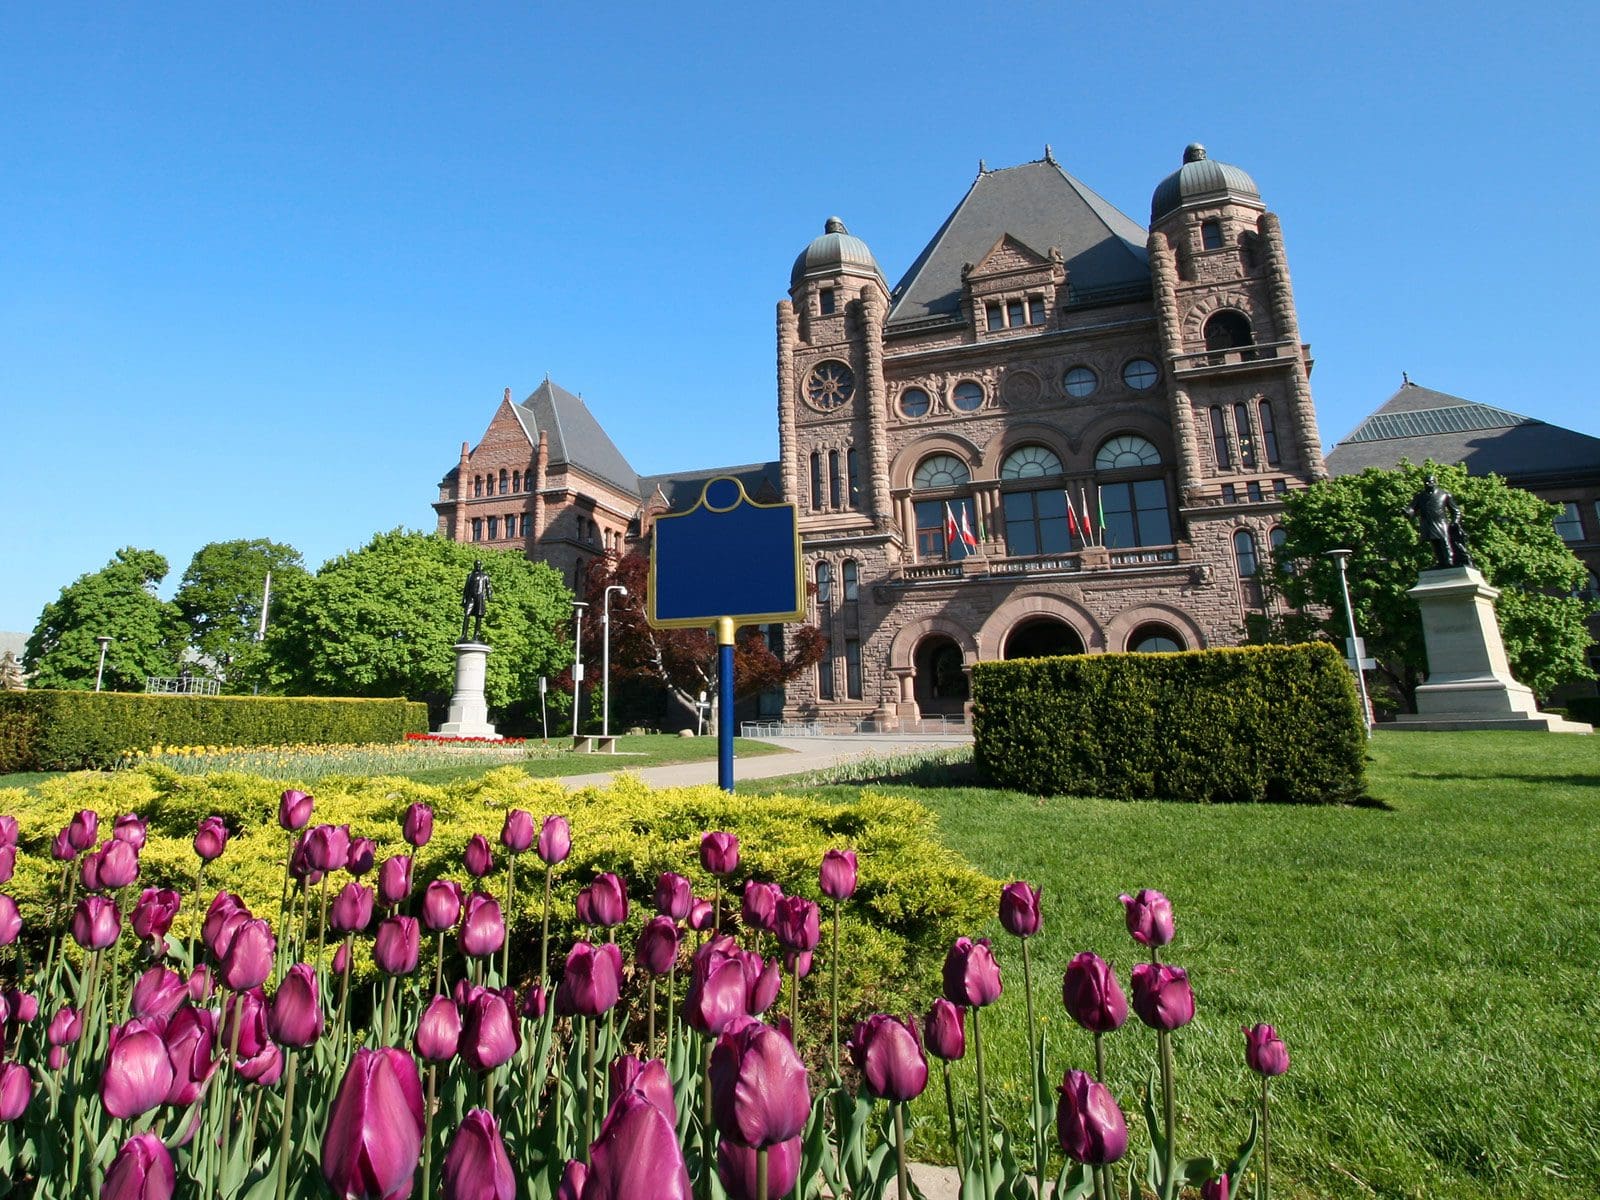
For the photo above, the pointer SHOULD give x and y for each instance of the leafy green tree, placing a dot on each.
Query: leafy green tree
(219, 600)
(381, 621)
(118, 601)
(1513, 542)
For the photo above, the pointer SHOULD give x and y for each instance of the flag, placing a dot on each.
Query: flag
(1072, 518)
(1099, 502)
(1088, 522)
(982, 536)
(966, 531)
(952, 534)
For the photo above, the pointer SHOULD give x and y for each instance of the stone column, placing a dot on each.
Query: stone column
(458, 516)
(1164, 280)
(872, 314)
(1306, 438)
(788, 451)
(541, 464)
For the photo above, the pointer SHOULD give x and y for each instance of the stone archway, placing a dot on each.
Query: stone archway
(1042, 637)
(941, 685)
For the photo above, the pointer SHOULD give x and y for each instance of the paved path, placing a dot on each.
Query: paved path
(809, 754)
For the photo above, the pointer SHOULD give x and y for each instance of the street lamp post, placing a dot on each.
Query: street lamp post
(577, 660)
(1339, 557)
(99, 671)
(605, 657)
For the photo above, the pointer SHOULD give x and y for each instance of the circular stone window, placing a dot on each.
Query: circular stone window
(1080, 382)
(968, 396)
(830, 384)
(1140, 374)
(1022, 387)
(914, 402)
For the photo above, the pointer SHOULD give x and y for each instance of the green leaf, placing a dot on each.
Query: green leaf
(1241, 1159)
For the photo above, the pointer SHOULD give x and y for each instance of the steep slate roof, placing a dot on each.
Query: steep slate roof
(1040, 205)
(576, 438)
(1418, 423)
(762, 481)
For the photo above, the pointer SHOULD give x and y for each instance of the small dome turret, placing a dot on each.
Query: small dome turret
(836, 252)
(1200, 179)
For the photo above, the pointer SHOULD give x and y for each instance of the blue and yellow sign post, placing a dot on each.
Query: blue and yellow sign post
(727, 561)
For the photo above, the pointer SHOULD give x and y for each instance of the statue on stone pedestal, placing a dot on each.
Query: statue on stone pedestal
(475, 597)
(12, 677)
(1438, 519)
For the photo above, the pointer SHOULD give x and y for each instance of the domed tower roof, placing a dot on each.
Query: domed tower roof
(836, 251)
(1200, 178)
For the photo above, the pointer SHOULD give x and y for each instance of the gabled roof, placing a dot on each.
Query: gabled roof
(1040, 205)
(763, 482)
(576, 438)
(1418, 424)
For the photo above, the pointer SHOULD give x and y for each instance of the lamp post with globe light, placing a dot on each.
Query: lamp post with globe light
(577, 660)
(1339, 557)
(100, 670)
(605, 657)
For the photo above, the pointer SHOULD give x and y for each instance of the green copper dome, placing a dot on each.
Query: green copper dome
(1200, 178)
(835, 251)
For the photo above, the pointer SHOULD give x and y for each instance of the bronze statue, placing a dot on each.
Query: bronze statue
(475, 599)
(1439, 522)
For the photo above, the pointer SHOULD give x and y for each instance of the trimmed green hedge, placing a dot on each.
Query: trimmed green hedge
(1583, 708)
(63, 731)
(1260, 723)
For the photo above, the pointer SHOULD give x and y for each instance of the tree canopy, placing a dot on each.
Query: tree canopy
(219, 599)
(118, 601)
(381, 621)
(1513, 542)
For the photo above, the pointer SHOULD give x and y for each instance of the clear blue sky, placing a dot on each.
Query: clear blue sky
(263, 268)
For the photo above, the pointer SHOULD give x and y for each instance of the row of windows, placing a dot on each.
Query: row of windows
(1247, 552)
(511, 482)
(1015, 313)
(829, 487)
(849, 578)
(1569, 521)
(488, 529)
(1233, 431)
(1121, 452)
(1139, 374)
(1252, 491)
(852, 673)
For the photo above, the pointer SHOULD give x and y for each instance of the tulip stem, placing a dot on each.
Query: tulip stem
(950, 1111)
(199, 882)
(344, 990)
(438, 966)
(1099, 1056)
(283, 899)
(233, 1060)
(488, 1090)
(505, 950)
(544, 934)
(1041, 1152)
(588, 1098)
(650, 1019)
(716, 906)
(427, 1133)
(761, 1174)
(1169, 1116)
(833, 990)
(388, 1011)
(983, 1094)
(288, 1121)
(900, 1148)
(794, 1003)
(708, 1124)
(672, 1001)
(322, 925)
(1266, 1141)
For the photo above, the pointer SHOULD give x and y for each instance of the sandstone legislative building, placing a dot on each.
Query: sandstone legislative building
(1059, 432)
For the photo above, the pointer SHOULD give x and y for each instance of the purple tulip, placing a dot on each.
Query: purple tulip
(55, 1058)
(441, 904)
(604, 902)
(944, 1030)
(190, 1037)
(24, 1006)
(83, 830)
(374, 1134)
(96, 923)
(648, 1078)
(211, 839)
(1264, 1051)
(1215, 1188)
(138, 1073)
(359, 858)
(1019, 909)
(351, 910)
(475, 1165)
(142, 1170)
(295, 1018)
(516, 835)
(158, 993)
(16, 1090)
(65, 1027)
(61, 848)
(200, 984)
(533, 1002)
(889, 1057)
(394, 879)
(702, 916)
(129, 828)
(264, 1068)
(591, 982)
(300, 864)
(417, 827)
(489, 1033)
(719, 853)
(249, 1011)
(8, 830)
(8, 862)
(398, 945)
(439, 1030)
(555, 841)
(674, 896)
(717, 994)
(636, 1155)
(1162, 996)
(837, 875)
(153, 914)
(736, 1167)
(657, 950)
(223, 905)
(10, 918)
(1149, 917)
(1092, 996)
(483, 929)
(763, 980)
(294, 810)
(758, 908)
(479, 859)
(119, 864)
(798, 924)
(1088, 1121)
(89, 871)
(341, 959)
(573, 1178)
(328, 847)
(248, 959)
(758, 1086)
(971, 976)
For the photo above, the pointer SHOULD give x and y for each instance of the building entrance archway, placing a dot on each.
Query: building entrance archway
(941, 684)
(1042, 637)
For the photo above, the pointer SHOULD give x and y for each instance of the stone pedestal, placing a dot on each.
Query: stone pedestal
(469, 712)
(1469, 681)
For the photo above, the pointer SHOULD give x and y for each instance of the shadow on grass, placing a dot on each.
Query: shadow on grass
(1583, 781)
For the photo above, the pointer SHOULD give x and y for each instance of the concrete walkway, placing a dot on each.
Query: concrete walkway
(808, 754)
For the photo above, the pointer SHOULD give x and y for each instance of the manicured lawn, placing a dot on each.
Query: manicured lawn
(1431, 962)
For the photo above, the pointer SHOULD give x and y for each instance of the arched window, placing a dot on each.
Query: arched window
(1247, 441)
(1228, 329)
(505, 480)
(850, 576)
(477, 485)
(516, 481)
(1133, 504)
(1211, 235)
(1030, 462)
(1219, 440)
(816, 480)
(494, 530)
(1155, 638)
(834, 482)
(855, 477)
(1269, 432)
(968, 396)
(941, 473)
(477, 529)
(1244, 550)
(526, 523)
(1275, 539)
(824, 585)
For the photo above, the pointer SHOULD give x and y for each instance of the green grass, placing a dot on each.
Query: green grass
(1431, 961)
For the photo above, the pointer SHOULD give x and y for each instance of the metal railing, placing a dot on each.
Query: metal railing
(181, 685)
(900, 726)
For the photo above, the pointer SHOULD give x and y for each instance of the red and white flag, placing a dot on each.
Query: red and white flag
(966, 531)
(1072, 518)
(1088, 521)
(952, 532)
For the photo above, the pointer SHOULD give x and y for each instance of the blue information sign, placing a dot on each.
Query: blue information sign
(727, 557)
